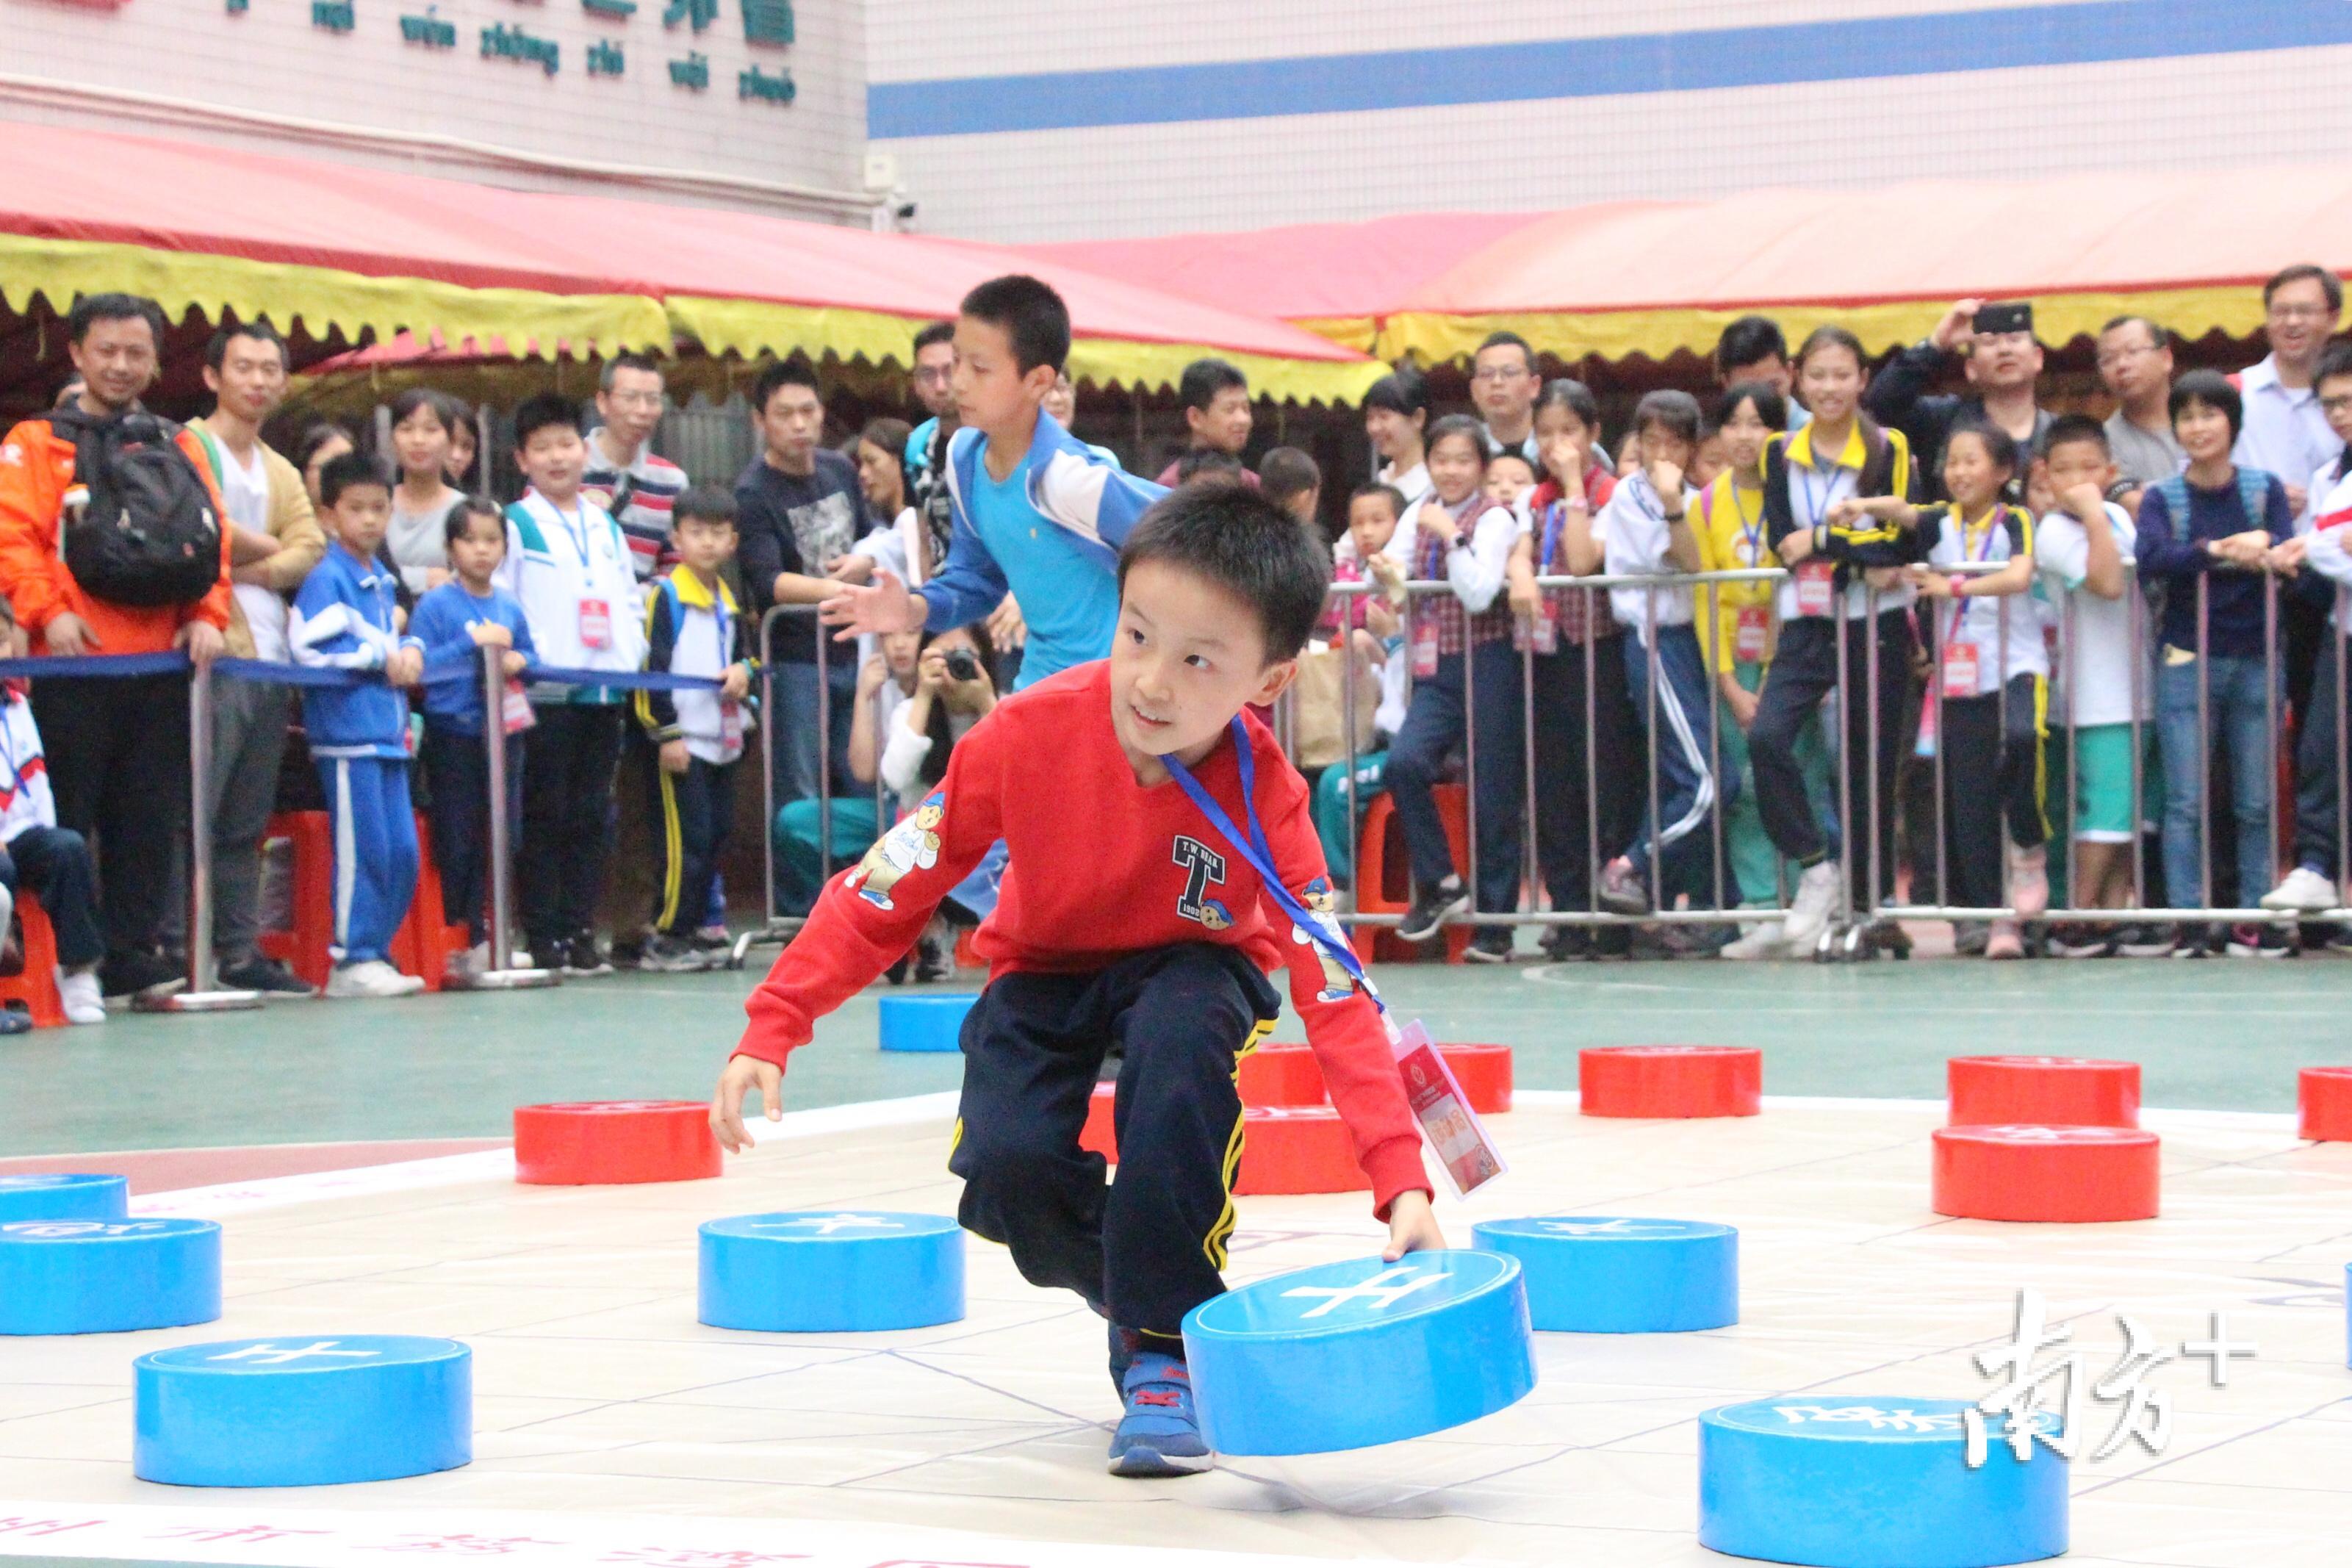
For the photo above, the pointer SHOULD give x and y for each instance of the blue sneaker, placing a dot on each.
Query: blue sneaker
(1158, 1435)
(1124, 1344)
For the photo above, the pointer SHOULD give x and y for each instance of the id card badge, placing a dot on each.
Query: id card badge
(1959, 670)
(1468, 1155)
(1749, 638)
(514, 709)
(595, 623)
(1425, 649)
(1816, 588)
(1542, 633)
(730, 723)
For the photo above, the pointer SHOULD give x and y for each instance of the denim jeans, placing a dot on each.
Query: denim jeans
(2238, 711)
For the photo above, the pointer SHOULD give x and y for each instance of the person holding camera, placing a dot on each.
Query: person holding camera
(2003, 362)
(952, 693)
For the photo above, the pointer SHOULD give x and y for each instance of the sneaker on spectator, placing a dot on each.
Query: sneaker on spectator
(2004, 941)
(629, 951)
(713, 939)
(2304, 891)
(1429, 908)
(2148, 938)
(2197, 941)
(1621, 890)
(2256, 941)
(131, 973)
(14, 1020)
(2071, 940)
(1491, 945)
(2029, 880)
(1809, 913)
(1566, 945)
(1765, 939)
(265, 975)
(78, 994)
(667, 954)
(581, 956)
(1969, 938)
(369, 979)
(475, 959)
(1679, 940)
(1612, 941)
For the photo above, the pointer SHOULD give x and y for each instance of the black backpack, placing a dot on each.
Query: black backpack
(148, 533)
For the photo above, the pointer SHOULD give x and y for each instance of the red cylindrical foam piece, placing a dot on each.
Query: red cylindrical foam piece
(2050, 1174)
(1281, 1075)
(1303, 1149)
(1100, 1135)
(1671, 1080)
(2323, 1096)
(612, 1141)
(2045, 1092)
(1484, 1073)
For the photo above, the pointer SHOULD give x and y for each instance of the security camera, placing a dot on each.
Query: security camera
(905, 212)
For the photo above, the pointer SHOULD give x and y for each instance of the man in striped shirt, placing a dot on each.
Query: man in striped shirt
(623, 475)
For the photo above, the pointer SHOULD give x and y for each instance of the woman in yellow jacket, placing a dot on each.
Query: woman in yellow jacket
(1737, 642)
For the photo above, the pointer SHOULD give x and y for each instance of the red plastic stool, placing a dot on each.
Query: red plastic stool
(1671, 1080)
(1484, 1073)
(1384, 881)
(2048, 1092)
(36, 988)
(2323, 1096)
(425, 943)
(1281, 1075)
(1100, 1135)
(612, 1141)
(303, 949)
(1298, 1149)
(2051, 1174)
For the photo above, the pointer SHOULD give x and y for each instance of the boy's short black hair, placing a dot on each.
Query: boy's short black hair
(793, 372)
(632, 360)
(1029, 313)
(89, 310)
(1675, 409)
(1204, 378)
(1513, 455)
(2211, 389)
(1285, 471)
(348, 472)
(544, 411)
(2329, 284)
(1237, 538)
(258, 330)
(1509, 339)
(461, 515)
(937, 333)
(1198, 461)
(1401, 391)
(1747, 341)
(1770, 406)
(2069, 429)
(1397, 503)
(2335, 360)
(704, 503)
(1999, 444)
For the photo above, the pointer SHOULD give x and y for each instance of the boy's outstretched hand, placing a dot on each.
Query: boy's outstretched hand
(1412, 1224)
(744, 1074)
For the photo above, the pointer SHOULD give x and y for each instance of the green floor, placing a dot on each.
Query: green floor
(2216, 1034)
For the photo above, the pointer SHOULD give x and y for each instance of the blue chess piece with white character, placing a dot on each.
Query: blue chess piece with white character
(65, 1195)
(108, 1276)
(302, 1411)
(1346, 1355)
(849, 1272)
(1854, 1481)
(1596, 1274)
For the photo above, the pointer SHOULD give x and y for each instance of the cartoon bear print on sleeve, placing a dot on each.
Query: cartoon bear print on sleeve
(912, 845)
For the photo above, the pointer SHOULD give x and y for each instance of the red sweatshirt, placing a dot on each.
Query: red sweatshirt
(1100, 866)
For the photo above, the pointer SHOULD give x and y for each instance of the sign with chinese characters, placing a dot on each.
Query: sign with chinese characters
(604, 58)
(332, 16)
(768, 22)
(693, 73)
(697, 13)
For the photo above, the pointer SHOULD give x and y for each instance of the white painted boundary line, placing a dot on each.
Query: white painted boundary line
(2151, 1117)
(263, 1534)
(497, 1164)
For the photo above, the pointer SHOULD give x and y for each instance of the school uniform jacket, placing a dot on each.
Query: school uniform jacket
(690, 630)
(1882, 466)
(343, 620)
(1100, 867)
(25, 802)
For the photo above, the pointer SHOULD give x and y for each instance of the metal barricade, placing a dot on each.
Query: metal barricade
(502, 974)
(776, 928)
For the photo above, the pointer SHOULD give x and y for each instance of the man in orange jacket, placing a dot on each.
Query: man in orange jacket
(118, 747)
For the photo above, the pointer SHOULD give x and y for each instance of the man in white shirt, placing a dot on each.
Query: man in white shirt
(2135, 366)
(2285, 432)
(274, 541)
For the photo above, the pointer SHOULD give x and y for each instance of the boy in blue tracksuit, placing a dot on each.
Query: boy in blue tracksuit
(456, 622)
(1037, 512)
(343, 619)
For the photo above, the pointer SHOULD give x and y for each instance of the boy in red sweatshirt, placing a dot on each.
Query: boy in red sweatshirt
(1126, 914)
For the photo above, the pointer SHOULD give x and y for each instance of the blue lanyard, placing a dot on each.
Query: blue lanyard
(576, 526)
(1253, 851)
(1821, 506)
